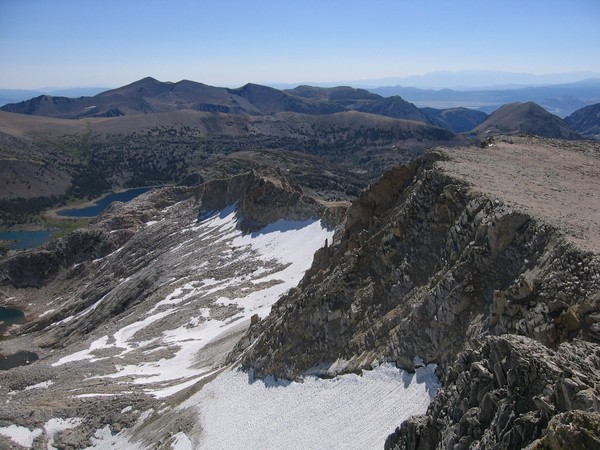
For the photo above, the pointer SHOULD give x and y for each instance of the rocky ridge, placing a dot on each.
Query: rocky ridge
(511, 392)
(144, 303)
(430, 262)
(586, 121)
(428, 266)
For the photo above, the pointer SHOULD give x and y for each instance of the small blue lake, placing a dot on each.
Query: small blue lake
(21, 358)
(8, 316)
(101, 204)
(21, 240)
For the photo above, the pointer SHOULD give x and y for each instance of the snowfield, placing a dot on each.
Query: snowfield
(346, 412)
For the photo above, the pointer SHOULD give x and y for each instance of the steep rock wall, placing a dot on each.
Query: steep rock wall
(423, 267)
(503, 395)
(426, 267)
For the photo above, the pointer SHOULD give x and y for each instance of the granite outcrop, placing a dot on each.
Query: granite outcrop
(427, 267)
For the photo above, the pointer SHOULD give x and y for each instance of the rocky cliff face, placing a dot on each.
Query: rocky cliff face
(423, 266)
(504, 394)
(426, 266)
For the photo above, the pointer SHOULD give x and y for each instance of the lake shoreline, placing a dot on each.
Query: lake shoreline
(53, 213)
(53, 223)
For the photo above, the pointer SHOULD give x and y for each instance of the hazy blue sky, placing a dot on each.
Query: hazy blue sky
(231, 42)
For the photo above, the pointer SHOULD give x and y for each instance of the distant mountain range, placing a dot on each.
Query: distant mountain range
(486, 91)
(150, 96)
(469, 80)
(559, 99)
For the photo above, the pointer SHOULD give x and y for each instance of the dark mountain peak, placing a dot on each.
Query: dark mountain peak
(395, 107)
(147, 80)
(270, 100)
(458, 120)
(189, 83)
(187, 89)
(522, 109)
(43, 105)
(526, 118)
(145, 87)
(333, 93)
(586, 121)
(253, 89)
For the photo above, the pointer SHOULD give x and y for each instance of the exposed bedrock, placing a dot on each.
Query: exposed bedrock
(504, 394)
(119, 261)
(426, 267)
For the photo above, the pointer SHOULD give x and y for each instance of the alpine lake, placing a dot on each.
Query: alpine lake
(26, 239)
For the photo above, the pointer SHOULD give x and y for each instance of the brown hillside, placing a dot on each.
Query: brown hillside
(526, 118)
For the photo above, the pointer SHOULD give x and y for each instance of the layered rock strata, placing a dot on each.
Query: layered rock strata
(431, 266)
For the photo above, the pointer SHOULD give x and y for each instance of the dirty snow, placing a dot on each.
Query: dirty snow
(55, 426)
(25, 437)
(42, 385)
(104, 439)
(181, 441)
(20, 435)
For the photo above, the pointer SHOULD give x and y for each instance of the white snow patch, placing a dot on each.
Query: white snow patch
(84, 354)
(101, 395)
(48, 311)
(42, 385)
(55, 426)
(123, 336)
(349, 411)
(177, 296)
(121, 340)
(25, 437)
(65, 320)
(104, 439)
(21, 435)
(181, 441)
